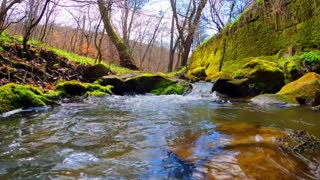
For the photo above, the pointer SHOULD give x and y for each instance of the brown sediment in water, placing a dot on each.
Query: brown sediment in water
(248, 152)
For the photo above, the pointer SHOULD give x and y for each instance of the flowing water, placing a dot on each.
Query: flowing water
(156, 137)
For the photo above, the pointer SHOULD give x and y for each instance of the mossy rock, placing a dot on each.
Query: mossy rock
(180, 88)
(264, 76)
(234, 88)
(199, 72)
(274, 99)
(13, 96)
(139, 83)
(95, 72)
(76, 88)
(306, 90)
(290, 68)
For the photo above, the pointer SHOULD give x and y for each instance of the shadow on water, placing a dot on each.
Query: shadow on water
(156, 137)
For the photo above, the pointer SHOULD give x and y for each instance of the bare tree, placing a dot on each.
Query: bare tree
(187, 23)
(98, 41)
(33, 18)
(126, 59)
(48, 15)
(6, 10)
(220, 13)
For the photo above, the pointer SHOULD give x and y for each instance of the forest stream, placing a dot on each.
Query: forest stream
(195, 136)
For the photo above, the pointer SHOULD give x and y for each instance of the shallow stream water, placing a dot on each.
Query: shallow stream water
(156, 137)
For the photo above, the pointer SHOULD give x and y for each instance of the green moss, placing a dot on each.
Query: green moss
(177, 88)
(13, 96)
(199, 72)
(259, 33)
(265, 76)
(76, 88)
(290, 68)
(255, 66)
(306, 89)
(96, 93)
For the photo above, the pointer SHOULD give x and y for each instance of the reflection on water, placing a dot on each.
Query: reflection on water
(191, 137)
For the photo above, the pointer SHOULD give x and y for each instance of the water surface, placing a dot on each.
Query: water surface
(124, 137)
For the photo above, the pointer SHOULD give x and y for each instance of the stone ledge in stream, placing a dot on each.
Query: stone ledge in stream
(256, 77)
(138, 83)
(304, 91)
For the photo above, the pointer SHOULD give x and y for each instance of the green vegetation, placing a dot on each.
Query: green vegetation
(5, 38)
(260, 33)
(306, 90)
(76, 88)
(179, 88)
(180, 71)
(13, 96)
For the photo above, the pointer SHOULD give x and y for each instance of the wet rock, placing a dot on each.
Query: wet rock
(263, 76)
(94, 72)
(199, 73)
(256, 77)
(273, 99)
(138, 83)
(306, 90)
(233, 87)
(316, 108)
(76, 88)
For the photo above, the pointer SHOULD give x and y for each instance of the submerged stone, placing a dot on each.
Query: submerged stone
(274, 99)
(306, 90)
(300, 141)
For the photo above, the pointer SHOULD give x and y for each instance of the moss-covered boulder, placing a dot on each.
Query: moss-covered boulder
(94, 72)
(13, 96)
(266, 28)
(274, 99)
(263, 76)
(198, 73)
(306, 90)
(233, 87)
(76, 88)
(138, 83)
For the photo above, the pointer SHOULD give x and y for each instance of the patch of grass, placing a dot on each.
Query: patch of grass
(72, 56)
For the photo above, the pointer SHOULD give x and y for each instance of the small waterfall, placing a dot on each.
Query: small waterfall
(201, 89)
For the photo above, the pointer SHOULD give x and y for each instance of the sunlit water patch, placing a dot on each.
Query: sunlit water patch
(194, 136)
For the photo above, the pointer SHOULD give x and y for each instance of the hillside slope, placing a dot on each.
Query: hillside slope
(274, 28)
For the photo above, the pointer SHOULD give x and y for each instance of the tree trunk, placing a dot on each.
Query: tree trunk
(124, 51)
(171, 53)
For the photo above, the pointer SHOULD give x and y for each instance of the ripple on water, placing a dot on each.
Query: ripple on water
(155, 137)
